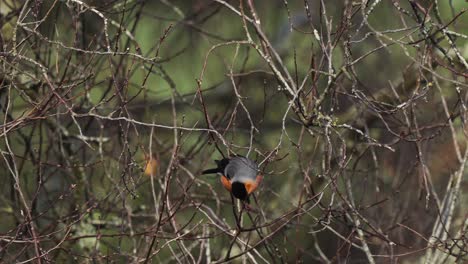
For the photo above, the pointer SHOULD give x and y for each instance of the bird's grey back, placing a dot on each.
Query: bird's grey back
(241, 169)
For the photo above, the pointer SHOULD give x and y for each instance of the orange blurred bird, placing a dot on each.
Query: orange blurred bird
(239, 175)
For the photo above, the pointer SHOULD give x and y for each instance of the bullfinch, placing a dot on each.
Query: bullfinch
(239, 175)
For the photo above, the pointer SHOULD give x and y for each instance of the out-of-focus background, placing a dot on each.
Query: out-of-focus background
(355, 112)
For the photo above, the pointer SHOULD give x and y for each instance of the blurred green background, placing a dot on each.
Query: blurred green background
(94, 91)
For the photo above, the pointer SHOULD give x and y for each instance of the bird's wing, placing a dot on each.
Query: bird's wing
(241, 169)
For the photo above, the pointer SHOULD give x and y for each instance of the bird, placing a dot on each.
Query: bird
(239, 175)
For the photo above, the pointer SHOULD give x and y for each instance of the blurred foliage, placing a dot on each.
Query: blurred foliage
(365, 160)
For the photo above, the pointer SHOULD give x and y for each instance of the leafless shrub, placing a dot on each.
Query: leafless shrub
(354, 110)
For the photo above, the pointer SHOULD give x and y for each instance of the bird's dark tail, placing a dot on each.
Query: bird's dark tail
(220, 169)
(210, 171)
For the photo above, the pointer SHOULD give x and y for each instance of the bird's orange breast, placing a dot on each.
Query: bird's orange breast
(250, 186)
(226, 183)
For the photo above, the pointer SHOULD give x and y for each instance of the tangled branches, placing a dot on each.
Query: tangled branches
(355, 112)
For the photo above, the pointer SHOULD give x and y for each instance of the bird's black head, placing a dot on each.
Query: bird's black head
(239, 191)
